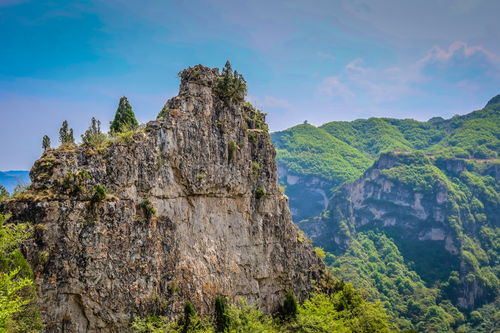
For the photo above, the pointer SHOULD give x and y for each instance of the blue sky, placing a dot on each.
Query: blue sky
(303, 60)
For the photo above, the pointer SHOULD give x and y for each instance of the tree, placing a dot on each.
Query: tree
(17, 312)
(45, 143)
(222, 319)
(93, 137)
(66, 134)
(124, 118)
(290, 306)
(231, 86)
(190, 321)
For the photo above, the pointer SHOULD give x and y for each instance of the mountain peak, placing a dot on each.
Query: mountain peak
(494, 101)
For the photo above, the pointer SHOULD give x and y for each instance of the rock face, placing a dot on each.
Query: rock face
(193, 211)
(431, 219)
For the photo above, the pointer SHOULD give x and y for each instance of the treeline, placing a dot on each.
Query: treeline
(344, 310)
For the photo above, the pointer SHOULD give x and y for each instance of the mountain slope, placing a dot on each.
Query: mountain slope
(419, 229)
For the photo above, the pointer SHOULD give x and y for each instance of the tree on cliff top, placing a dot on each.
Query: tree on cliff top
(231, 86)
(124, 118)
(66, 134)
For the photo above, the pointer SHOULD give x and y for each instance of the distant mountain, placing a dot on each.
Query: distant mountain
(407, 211)
(314, 161)
(10, 179)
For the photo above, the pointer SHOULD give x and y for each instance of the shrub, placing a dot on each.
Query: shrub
(148, 209)
(255, 168)
(222, 319)
(99, 193)
(260, 192)
(232, 149)
(320, 253)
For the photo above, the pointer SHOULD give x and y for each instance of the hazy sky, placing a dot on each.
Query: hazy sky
(314, 60)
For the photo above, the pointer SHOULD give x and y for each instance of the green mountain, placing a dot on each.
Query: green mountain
(410, 214)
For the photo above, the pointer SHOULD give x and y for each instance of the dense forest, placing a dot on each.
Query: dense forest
(411, 212)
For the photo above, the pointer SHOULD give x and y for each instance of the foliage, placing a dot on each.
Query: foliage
(99, 193)
(232, 149)
(343, 311)
(308, 150)
(45, 142)
(18, 310)
(222, 319)
(124, 118)
(3, 193)
(452, 163)
(231, 87)
(66, 134)
(374, 264)
(290, 306)
(260, 193)
(74, 183)
(93, 137)
(148, 209)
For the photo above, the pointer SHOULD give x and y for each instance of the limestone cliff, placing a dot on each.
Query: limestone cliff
(193, 211)
(437, 210)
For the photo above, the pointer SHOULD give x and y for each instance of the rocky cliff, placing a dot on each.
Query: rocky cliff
(440, 212)
(193, 210)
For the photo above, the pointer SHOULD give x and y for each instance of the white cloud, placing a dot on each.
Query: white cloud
(459, 50)
(333, 87)
(459, 66)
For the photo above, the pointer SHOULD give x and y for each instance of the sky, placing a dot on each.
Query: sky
(314, 60)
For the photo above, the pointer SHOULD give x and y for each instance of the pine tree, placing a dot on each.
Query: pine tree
(124, 118)
(66, 134)
(222, 319)
(45, 143)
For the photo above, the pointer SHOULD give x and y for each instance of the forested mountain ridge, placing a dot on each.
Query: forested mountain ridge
(340, 151)
(419, 228)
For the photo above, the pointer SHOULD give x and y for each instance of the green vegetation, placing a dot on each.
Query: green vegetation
(374, 264)
(18, 311)
(452, 163)
(222, 319)
(45, 143)
(99, 193)
(290, 306)
(231, 86)
(3, 193)
(308, 150)
(66, 134)
(345, 310)
(148, 209)
(232, 149)
(260, 193)
(93, 137)
(124, 118)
